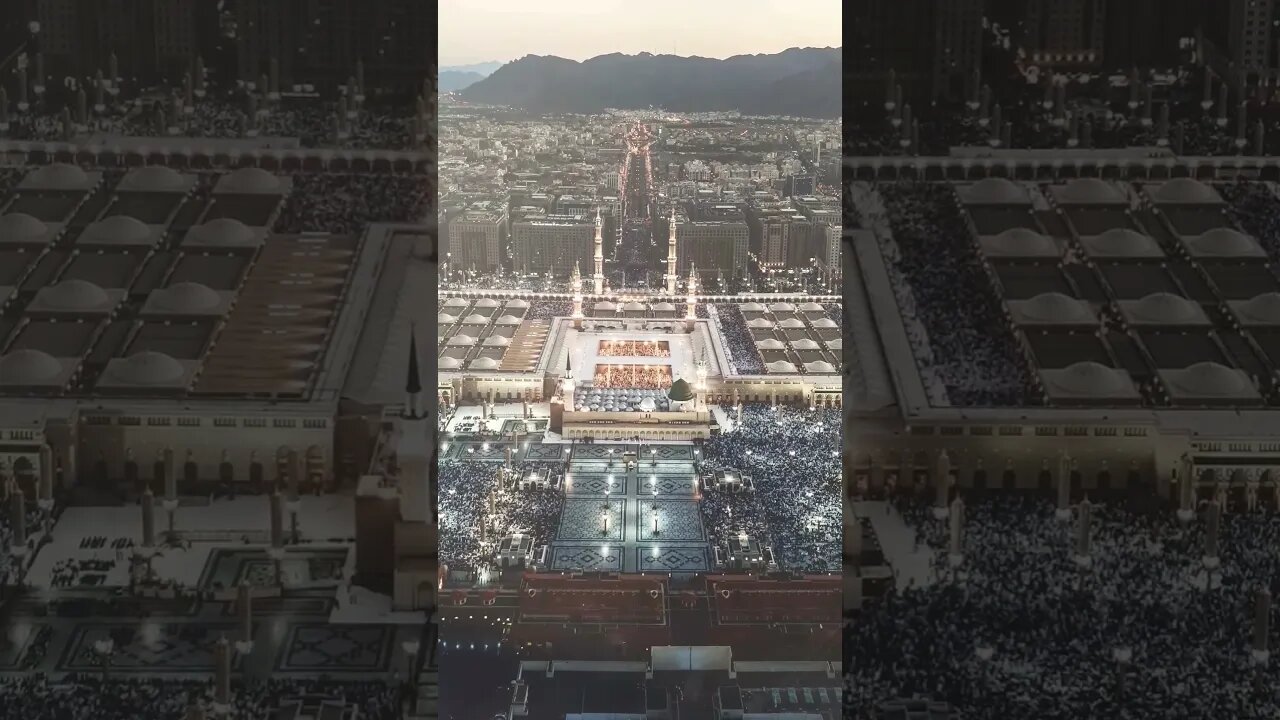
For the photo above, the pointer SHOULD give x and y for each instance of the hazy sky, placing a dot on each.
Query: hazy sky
(483, 30)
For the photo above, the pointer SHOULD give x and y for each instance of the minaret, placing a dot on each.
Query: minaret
(575, 284)
(671, 256)
(693, 290)
(598, 278)
(413, 386)
(412, 447)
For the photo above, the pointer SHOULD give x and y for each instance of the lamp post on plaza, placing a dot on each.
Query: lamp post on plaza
(655, 521)
(605, 517)
(104, 648)
(411, 648)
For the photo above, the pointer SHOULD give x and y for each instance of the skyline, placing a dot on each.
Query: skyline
(504, 30)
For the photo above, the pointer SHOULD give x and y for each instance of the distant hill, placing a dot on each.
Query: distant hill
(798, 81)
(451, 80)
(484, 69)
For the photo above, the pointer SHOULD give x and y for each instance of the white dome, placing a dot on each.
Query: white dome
(1212, 379)
(753, 307)
(518, 303)
(811, 307)
(1122, 243)
(497, 341)
(148, 368)
(1185, 191)
(1020, 242)
(995, 191)
(462, 340)
(825, 322)
(508, 320)
(153, 178)
(22, 229)
(1054, 307)
(449, 363)
(664, 307)
(188, 297)
(486, 303)
(760, 323)
(836, 344)
(1088, 191)
(475, 319)
(792, 323)
(633, 307)
(819, 366)
(484, 363)
(804, 344)
(455, 302)
(446, 319)
(221, 231)
(1225, 242)
(1263, 309)
(770, 344)
(647, 404)
(250, 180)
(605, 305)
(59, 176)
(1092, 379)
(782, 307)
(117, 229)
(74, 295)
(1166, 309)
(29, 367)
(781, 366)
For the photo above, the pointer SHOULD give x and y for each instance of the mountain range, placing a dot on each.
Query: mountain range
(484, 69)
(451, 80)
(798, 81)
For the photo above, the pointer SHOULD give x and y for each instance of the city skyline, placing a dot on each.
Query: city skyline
(504, 30)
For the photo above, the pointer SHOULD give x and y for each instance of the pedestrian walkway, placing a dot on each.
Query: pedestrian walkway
(898, 542)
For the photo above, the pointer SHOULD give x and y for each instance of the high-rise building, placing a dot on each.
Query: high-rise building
(475, 239)
(1152, 33)
(1065, 32)
(933, 46)
(320, 41)
(552, 243)
(151, 39)
(714, 239)
(957, 52)
(1245, 37)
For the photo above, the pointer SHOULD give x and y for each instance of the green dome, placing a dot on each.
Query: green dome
(680, 391)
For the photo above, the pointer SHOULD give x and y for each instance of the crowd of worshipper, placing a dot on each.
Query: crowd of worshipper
(474, 279)
(1021, 629)
(38, 697)
(622, 399)
(344, 203)
(635, 348)
(643, 377)
(792, 455)
(966, 348)
(548, 309)
(230, 115)
(476, 494)
(743, 354)
(1255, 209)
